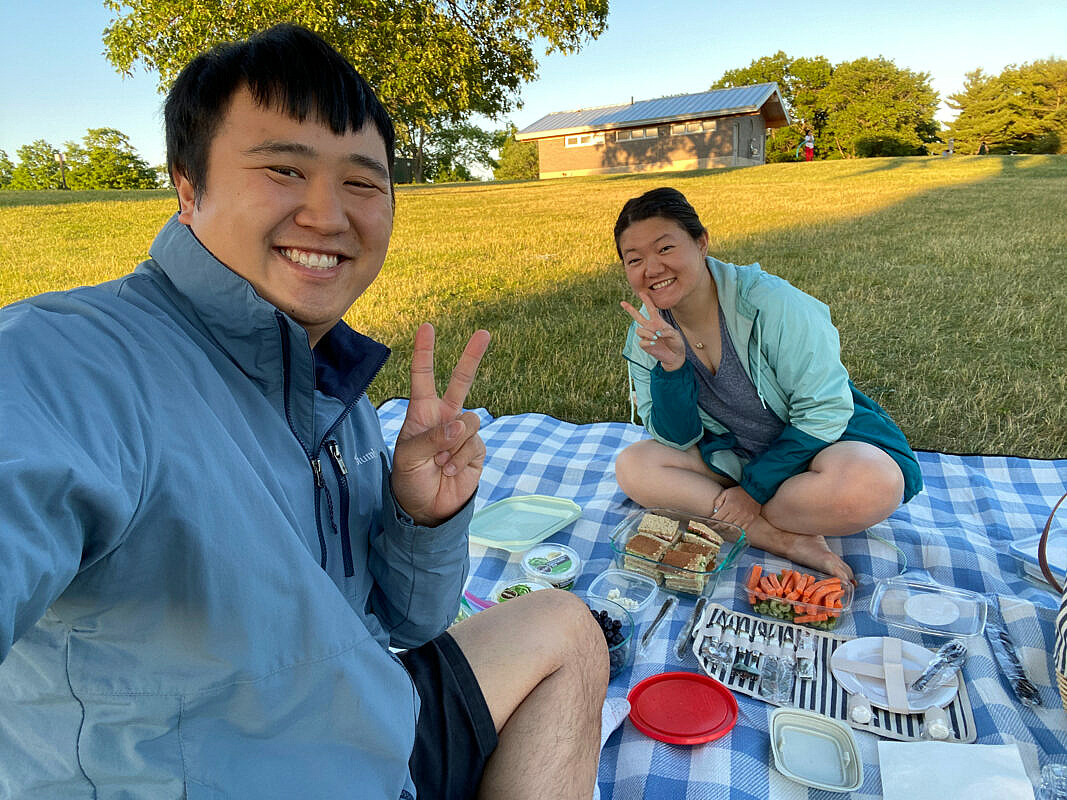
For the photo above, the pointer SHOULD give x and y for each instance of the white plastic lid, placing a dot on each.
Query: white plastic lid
(555, 563)
(815, 750)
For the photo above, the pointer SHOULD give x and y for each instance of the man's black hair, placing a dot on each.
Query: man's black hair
(285, 67)
(664, 202)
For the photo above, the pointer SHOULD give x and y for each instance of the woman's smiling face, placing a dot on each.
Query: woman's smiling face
(662, 260)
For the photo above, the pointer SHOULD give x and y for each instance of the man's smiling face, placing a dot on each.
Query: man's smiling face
(302, 214)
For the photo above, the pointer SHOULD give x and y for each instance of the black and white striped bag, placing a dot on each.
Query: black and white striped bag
(1059, 658)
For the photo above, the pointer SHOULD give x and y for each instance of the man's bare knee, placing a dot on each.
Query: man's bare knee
(579, 637)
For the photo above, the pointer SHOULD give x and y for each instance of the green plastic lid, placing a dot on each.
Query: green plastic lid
(518, 523)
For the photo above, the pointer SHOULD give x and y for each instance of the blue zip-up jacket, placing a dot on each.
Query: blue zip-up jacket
(791, 352)
(201, 563)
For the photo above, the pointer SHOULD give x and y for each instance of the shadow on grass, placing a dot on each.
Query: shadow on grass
(949, 330)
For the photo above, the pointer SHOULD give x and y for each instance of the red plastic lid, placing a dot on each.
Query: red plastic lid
(682, 708)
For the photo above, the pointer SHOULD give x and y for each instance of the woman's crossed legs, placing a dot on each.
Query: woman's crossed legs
(847, 487)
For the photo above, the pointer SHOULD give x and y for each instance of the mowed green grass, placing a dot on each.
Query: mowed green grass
(947, 279)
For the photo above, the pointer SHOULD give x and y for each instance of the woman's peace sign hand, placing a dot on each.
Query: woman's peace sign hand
(656, 336)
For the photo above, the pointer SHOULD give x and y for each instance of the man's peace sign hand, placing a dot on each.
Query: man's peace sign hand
(438, 456)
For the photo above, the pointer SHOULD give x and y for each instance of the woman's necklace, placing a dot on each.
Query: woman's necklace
(698, 345)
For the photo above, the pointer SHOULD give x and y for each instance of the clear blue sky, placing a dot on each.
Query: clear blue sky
(55, 83)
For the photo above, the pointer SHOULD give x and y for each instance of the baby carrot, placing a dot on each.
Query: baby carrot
(754, 576)
(789, 577)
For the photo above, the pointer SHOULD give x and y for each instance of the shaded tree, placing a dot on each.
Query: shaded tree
(107, 160)
(6, 168)
(876, 108)
(37, 167)
(800, 82)
(1024, 110)
(518, 160)
(456, 150)
(429, 60)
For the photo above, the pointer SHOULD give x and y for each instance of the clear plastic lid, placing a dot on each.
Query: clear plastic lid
(928, 607)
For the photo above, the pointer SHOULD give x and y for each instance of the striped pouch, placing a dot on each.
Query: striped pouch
(1060, 653)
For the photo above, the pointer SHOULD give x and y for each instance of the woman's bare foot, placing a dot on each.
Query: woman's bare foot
(809, 551)
(813, 551)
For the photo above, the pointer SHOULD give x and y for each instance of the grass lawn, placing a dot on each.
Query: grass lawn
(946, 277)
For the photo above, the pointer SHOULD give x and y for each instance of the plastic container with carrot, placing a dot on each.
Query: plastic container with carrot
(796, 595)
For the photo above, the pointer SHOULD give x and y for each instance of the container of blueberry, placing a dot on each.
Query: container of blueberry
(618, 627)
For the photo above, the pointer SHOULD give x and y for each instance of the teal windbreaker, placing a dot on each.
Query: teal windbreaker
(790, 350)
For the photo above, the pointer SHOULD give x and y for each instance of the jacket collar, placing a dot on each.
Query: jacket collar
(269, 346)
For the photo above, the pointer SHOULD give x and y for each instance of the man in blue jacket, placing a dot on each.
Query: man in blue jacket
(207, 551)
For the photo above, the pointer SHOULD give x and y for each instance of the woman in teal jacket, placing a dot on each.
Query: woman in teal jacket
(738, 377)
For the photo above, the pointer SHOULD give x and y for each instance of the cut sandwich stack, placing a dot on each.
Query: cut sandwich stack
(680, 559)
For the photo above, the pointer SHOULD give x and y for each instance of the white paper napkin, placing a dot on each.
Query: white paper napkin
(940, 770)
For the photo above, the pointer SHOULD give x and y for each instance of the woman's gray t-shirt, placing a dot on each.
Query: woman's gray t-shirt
(729, 396)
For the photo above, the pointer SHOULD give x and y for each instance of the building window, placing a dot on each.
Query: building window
(583, 139)
(696, 126)
(637, 133)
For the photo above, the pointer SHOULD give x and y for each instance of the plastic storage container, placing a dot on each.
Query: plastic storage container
(815, 750)
(661, 561)
(1025, 553)
(620, 654)
(822, 609)
(635, 592)
(555, 563)
(928, 607)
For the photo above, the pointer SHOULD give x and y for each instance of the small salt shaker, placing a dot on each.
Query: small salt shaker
(935, 724)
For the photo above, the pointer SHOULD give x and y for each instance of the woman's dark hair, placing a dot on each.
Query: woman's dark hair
(663, 202)
(285, 67)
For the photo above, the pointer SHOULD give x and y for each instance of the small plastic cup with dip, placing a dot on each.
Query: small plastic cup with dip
(556, 563)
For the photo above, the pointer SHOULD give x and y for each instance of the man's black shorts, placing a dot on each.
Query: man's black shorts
(455, 734)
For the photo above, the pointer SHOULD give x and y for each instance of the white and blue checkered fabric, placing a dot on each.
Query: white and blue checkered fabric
(957, 531)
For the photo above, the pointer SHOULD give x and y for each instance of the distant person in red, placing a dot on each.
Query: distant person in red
(809, 146)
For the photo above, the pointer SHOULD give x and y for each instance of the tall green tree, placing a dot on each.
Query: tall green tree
(800, 83)
(440, 150)
(37, 167)
(6, 168)
(876, 108)
(429, 60)
(1023, 110)
(518, 161)
(107, 160)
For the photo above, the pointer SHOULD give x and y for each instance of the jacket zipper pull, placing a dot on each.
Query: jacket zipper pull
(334, 450)
(316, 467)
(335, 453)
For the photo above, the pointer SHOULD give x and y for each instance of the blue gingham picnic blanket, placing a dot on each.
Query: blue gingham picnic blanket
(956, 532)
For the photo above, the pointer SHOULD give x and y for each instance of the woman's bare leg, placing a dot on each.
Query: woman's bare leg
(849, 486)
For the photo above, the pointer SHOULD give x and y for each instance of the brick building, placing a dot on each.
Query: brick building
(720, 128)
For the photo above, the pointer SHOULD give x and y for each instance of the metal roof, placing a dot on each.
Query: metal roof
(716, 103)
